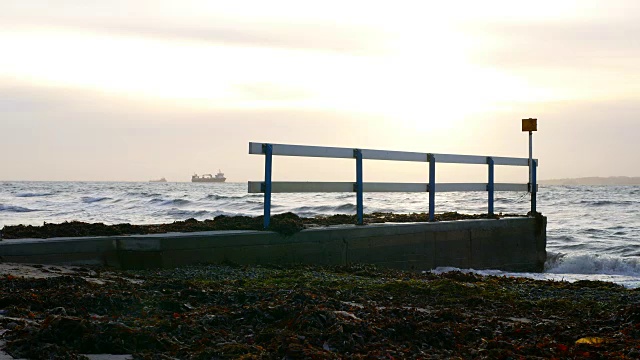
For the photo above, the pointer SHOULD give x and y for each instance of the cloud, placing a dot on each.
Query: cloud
(15, 99)
(594, 43)
(271, 92)
(75, 134)
(146, 19)
(321, 37)
(19, 99)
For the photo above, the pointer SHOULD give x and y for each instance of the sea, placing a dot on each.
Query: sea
(593, 232)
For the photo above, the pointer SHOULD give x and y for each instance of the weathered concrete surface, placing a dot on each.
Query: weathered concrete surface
(512, 244)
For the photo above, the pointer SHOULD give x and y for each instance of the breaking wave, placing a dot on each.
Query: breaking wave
(592, 264)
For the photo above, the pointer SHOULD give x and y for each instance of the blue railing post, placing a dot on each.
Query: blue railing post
(267, 149)
(534, 172)
(491, 184)
(357, 153)
(432, 187)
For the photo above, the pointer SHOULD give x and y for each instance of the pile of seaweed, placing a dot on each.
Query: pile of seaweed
(286, 223)
(206, 312)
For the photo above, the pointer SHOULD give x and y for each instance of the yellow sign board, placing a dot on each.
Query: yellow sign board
(529, 124)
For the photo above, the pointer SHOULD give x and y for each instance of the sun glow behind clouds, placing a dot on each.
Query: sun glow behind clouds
(450, 77)
(424, 81)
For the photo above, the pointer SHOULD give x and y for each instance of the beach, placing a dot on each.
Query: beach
(359, 311)
(413, 180)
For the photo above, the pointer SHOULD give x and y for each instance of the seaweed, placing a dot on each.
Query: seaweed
(359, 311)
(286, 224)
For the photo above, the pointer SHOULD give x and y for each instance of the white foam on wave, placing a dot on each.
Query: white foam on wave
(630, 282)
(588, 264)
(576, 267)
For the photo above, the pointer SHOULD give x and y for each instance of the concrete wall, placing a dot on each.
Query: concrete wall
(512, 244)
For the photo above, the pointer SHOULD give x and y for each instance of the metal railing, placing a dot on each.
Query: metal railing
(359, 187)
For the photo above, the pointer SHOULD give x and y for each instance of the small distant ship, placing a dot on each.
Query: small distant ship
(159, 180)
(219, 177)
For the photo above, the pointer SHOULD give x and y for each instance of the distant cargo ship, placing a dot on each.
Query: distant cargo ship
(219, 177)
(159, 180)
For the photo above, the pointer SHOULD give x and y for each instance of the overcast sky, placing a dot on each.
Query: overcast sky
(135, 90)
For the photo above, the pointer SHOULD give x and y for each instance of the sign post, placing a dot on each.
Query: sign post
(531, 125)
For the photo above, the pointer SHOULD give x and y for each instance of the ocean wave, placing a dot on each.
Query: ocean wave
(616, 227)
(214, 197)
(573, 246)
(90, 200)
(182, 214)
(222, 197)
(346, 208)
(30, 194)
(142, 194)
(15, 209)
(505, 200)
(593, 231)
(605, 202)
(172, 202)
(323, 209)
(344, 196)
(592, 264)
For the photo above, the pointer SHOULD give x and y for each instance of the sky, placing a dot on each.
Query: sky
(133, 90)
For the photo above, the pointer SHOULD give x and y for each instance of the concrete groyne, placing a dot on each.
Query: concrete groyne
(510, 244)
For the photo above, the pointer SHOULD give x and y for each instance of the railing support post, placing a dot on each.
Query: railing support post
(530, 160)
(357, 154)
(491, 184)
(534, 171)
(432, 187)
(267, 149)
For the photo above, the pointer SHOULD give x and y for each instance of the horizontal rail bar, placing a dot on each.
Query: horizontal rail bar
(302, 150)
(460, 159)
(480, 160)
(395, 187)
(309, 186)
(497, 160)
(295, 186)
(347, 153)
(452, 187)
(394, 155)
